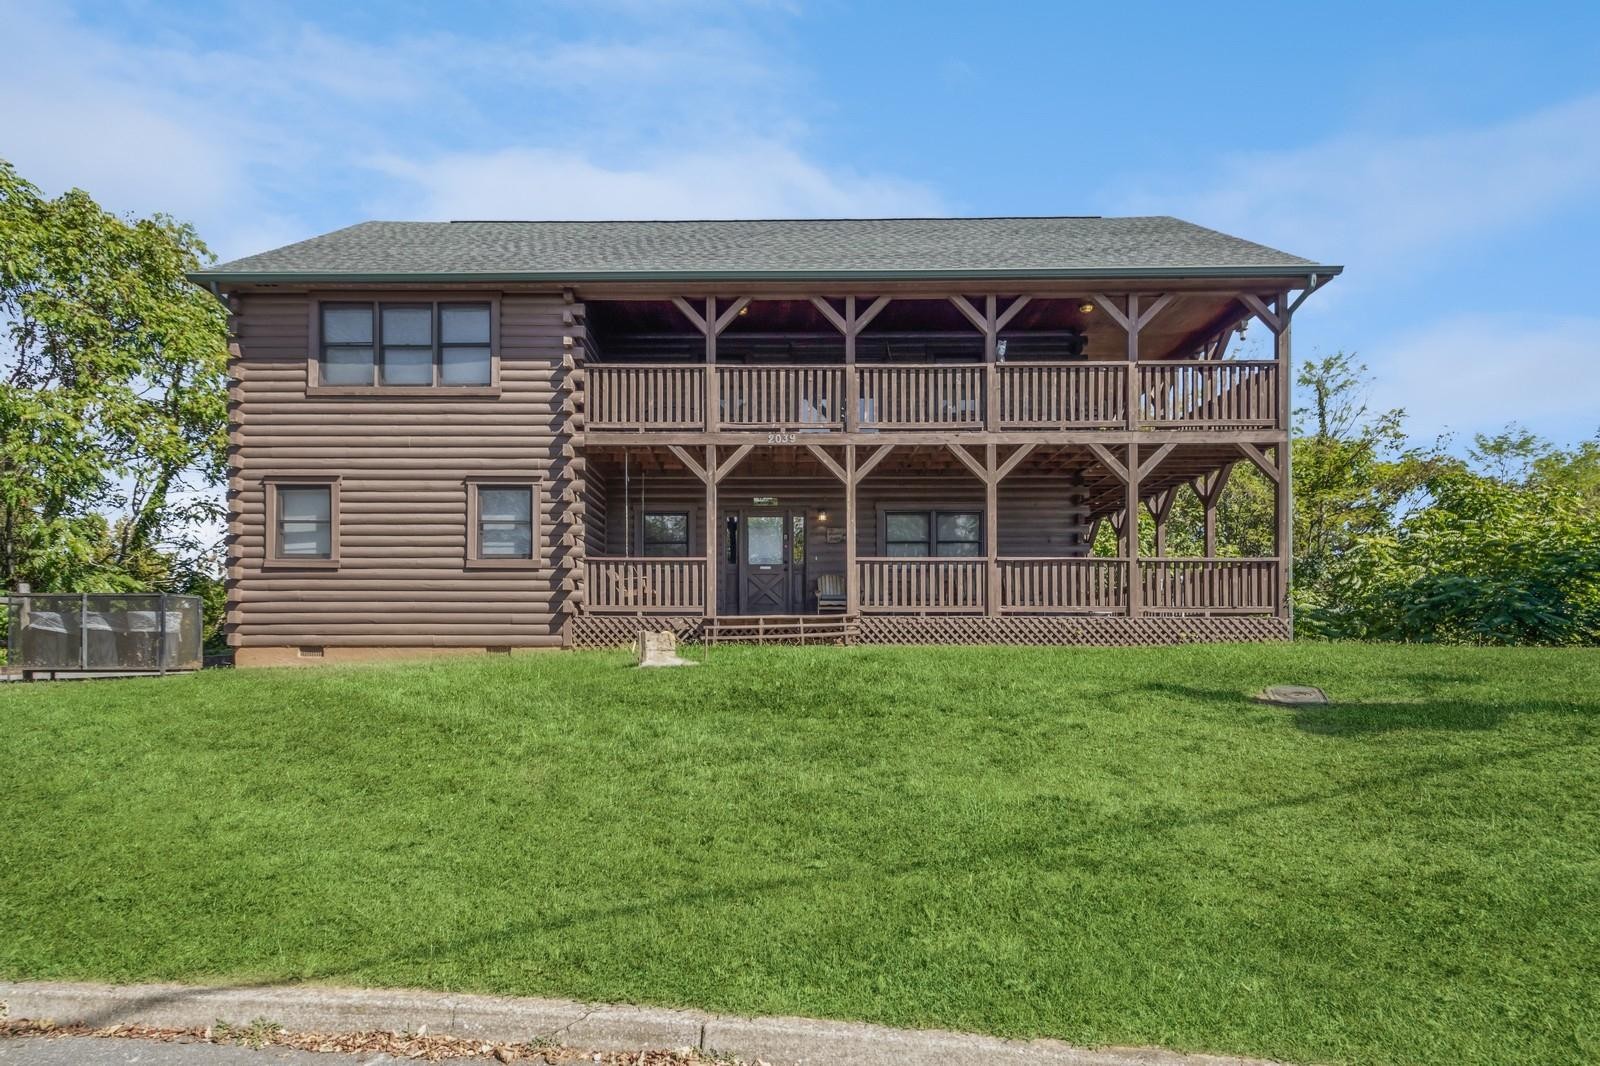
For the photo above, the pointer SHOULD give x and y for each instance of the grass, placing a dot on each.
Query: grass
(1106, 846)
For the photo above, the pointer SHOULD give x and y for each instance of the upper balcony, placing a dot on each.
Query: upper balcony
(1188, 394)
(949, 364)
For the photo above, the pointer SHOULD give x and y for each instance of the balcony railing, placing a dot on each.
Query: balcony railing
(781, 397)
(1063, 395)
(1226, 393)
(1032, 396)
(645, 586)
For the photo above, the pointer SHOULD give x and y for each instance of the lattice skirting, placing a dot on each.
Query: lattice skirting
(1108, 631)
(616, 631)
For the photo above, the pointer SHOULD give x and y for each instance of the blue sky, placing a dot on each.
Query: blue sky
(1447, 154)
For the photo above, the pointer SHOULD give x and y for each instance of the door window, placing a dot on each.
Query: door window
(763, 538)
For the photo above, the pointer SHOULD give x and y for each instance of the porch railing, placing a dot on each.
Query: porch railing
(1059, 395)
(912, 397)
(1237, 586)
(1225, 393)
(644, 586)
(918, 586)
(1059, 585)
(624, 396)
(787, 397)
(1230, 393)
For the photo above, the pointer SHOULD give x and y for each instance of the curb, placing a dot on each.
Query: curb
(600, 1027)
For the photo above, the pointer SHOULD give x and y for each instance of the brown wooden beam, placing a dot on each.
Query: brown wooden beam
(978, 469)
(727, 317)
(1109, 461)
(865, 468)
(840, 323)
(827, 460)
(688, 460)
(1254, 454)
(1011, 312)
(690, 313)
(1013, 459)
(973, 315)
(733, 460)
(872, 312)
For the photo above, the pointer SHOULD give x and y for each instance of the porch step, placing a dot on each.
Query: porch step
(782, 629)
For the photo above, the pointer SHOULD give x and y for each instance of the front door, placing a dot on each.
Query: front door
(764, 584)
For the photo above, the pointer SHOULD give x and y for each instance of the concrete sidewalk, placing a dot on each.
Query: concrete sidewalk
(599, 1027)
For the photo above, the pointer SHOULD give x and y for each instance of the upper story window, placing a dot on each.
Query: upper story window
(403, 344)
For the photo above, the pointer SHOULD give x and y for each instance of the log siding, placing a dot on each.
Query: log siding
(404, 463)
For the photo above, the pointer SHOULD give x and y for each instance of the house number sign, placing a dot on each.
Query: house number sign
(783, 438)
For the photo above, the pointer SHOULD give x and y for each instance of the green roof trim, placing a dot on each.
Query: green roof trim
(801, 249)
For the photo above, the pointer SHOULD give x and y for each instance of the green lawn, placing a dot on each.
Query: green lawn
(1106, 846)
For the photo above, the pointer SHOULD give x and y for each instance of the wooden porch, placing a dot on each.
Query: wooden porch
(1039, 507)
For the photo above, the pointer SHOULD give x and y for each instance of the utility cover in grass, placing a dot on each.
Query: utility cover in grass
(1292, 695)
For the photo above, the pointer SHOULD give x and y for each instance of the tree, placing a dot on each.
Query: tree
(113, 403)
(1486, 562)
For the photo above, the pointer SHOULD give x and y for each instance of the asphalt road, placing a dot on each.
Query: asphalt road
(118, 1051)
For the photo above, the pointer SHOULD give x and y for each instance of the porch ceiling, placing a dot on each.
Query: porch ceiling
(1186, 322)
(1076, 464)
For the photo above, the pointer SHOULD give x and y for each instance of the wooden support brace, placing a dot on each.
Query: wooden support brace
(866, 466)
(734, 460)
(1271, 319)
(830, 314)
(1255, 455)
(1148, 467)
(1016, 457)
(690, 313)
(688, 460)
(726, 318)
(1109, 461)
(1106, 304)
(976, 317)
(1011, 312)
(871, 312)
(827, 460)
(978, 469)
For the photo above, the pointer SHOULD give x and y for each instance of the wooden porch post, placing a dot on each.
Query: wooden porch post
(852, 386)
(1209, 488)
(1285, 460)
(991, 370)
(991, 521)
(852, 577)
(1132, 326)
(1130, 524)
(713, 521)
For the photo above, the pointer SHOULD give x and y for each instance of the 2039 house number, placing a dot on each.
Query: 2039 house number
(783, 438)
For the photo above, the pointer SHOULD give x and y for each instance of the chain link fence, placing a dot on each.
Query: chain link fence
(103, 632)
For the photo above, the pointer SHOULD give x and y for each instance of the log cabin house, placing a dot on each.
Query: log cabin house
(495, 436)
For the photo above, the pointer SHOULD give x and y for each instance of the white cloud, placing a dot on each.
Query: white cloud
(756, 179)
(284, 128)
(1379, 202)
(1476, 372)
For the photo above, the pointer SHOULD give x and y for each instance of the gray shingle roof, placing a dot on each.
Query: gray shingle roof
(816, 248)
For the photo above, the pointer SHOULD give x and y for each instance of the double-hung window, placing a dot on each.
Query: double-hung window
(933, 533)
(303, 521)
(405, 344)
(503, 523)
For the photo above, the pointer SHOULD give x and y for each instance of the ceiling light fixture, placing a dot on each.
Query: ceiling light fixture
(1086, 308)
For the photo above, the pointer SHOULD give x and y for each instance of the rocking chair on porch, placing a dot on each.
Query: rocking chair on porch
(830, 593)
